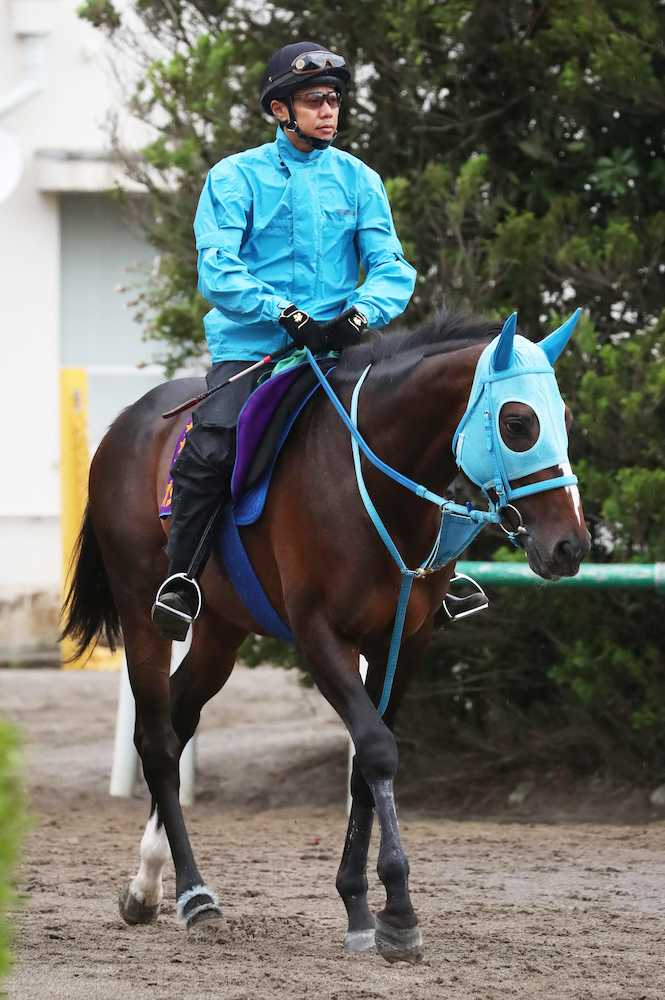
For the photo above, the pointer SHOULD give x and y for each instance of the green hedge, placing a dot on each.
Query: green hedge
(12, 821)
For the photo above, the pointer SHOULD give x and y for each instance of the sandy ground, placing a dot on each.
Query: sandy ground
(507, 909)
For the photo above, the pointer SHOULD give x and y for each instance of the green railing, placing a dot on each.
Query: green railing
(648, 576)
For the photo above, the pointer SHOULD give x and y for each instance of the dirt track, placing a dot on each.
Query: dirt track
(507, 910)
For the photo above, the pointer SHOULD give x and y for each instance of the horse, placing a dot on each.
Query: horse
(326, 572)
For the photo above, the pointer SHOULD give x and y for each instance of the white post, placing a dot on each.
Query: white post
(125, 758)
(363, 674)
(125, 767)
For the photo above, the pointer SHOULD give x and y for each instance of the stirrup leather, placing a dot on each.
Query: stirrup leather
(173, 611)
(481, 605)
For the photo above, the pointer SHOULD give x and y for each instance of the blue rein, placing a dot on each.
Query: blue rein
(458, 526)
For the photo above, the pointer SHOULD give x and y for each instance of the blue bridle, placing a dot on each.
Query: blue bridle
(503, 368)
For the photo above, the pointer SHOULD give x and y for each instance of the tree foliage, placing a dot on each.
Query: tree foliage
(522, 148)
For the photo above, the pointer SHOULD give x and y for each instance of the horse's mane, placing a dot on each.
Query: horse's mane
(441, 333)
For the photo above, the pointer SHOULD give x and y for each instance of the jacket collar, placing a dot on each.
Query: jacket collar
(289, 155)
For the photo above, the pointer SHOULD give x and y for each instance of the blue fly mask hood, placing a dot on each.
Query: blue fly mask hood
(512, 369)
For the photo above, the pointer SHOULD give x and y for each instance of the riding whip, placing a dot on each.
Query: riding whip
(246, 371)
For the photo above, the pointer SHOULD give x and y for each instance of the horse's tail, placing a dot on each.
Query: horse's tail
(89, 611)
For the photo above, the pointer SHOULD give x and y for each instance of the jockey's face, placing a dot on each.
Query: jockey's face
(317, 112)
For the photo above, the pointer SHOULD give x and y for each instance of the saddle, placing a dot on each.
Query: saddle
(263, 426)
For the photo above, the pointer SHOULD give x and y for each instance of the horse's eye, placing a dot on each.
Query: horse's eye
(518, 426)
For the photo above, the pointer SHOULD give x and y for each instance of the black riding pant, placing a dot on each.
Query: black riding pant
(202, 472)
(206, 461)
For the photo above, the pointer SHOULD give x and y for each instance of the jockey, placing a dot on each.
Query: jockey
(282, 232)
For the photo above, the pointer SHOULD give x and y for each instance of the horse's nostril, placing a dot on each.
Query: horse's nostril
(569, 551)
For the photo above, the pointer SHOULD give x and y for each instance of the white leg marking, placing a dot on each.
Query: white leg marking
(574, 495)
(146, 887)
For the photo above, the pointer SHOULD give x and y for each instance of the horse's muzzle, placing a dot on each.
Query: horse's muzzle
(564, 557)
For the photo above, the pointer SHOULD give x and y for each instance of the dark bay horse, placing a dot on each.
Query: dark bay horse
(326, 573)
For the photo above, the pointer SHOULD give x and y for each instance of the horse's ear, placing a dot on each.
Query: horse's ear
(504, 349)
(555, 342)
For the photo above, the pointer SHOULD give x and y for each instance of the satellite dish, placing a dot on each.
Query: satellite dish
(11, 164)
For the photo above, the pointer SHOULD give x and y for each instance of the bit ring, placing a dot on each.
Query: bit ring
(520, 529)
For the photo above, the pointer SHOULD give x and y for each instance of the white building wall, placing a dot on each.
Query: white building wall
(68, 114)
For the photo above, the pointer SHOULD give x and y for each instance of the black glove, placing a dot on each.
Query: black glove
(345, 329)
(303, 330)
(334, 335)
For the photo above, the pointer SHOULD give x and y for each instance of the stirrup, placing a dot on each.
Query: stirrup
(462, 607)
(172, 623)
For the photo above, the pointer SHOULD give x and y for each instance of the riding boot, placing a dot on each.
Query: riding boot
(201, 489)
(194, 519)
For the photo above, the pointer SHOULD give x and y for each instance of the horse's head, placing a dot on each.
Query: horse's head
(513, 442)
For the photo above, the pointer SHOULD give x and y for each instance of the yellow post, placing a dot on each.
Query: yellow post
(74, 465)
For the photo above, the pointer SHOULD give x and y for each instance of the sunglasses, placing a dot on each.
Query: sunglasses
(316, 99)
(314, 62)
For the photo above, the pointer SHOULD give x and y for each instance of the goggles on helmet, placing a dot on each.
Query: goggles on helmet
(314, 62)
(308, 64)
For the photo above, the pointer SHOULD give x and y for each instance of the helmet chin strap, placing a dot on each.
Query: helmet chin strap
(292, 126)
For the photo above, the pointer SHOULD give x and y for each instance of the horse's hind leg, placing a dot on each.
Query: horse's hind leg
(160, 740)
(148, 661)
(202, 673)
(140, 899)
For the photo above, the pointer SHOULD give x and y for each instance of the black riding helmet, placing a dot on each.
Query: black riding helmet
(295, 66)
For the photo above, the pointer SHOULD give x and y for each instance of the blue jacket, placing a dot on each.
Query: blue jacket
(275, 226)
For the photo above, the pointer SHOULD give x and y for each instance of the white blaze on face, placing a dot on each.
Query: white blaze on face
(574, 495)
(155, 852)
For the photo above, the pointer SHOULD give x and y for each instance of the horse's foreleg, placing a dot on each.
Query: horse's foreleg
(397, 935)
(395, 940)
(335, 667)
(352, 875)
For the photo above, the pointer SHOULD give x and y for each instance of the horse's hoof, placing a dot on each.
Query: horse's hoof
(399, 944)
(357, 942)
(198, 906)
(133, 911)
(206, 927)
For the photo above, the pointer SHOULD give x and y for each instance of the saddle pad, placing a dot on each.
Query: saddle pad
(167, 496)
(271, 408)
